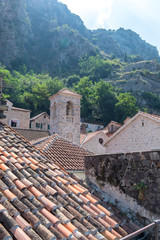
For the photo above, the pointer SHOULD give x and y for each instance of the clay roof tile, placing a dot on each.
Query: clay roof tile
(40, 200)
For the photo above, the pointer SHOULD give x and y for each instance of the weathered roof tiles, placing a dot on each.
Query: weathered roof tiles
(63, 152)
(39, 200)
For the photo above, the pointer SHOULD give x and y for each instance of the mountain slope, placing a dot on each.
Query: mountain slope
(46, 37)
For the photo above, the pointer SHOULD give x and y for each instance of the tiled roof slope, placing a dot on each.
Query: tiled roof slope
(68, 155)
(39, 200)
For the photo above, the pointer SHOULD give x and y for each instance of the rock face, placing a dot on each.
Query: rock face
(45, 36)
(132, 178)
(139, 78)
(41, 35)
(14, 31)
(123, 42)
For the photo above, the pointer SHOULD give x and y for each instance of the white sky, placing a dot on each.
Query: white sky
(141, 16)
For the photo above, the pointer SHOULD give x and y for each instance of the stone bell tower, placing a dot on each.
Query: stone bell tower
(65, 115)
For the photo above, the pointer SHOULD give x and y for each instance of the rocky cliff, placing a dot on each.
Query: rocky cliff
(45, 36)
(14, 31)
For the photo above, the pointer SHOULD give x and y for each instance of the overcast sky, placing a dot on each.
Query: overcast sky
(141, 16)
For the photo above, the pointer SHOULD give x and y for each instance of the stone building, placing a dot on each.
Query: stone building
(17, 117)
(65, 115)
(93, 141)
(40, 122)
(140, 133)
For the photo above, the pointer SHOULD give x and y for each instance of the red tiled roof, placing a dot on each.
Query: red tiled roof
(63, 152)
(41, 201)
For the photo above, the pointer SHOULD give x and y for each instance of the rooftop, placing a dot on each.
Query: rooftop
(20, 109)
(63, 152)
(40, 200)
(65, 91)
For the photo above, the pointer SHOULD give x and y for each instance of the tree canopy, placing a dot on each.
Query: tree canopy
(100, 102)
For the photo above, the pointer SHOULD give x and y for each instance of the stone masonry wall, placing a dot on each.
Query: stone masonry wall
(42, 119)
(66, 126)
(22, 117)
(131, 180)
(143, 134)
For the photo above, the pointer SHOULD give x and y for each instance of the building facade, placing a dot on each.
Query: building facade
(40, 122)
(16, 117)
(93, 142)
(138, 134)
(65, 115)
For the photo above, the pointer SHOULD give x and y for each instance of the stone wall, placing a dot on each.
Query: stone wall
(131, 180)
(44, 122)
(21, 117)
(32, 134)
(94, 145)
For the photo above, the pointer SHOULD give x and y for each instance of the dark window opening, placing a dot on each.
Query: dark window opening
(100, 140)
(38, 125)
(69, 109)
(13, 123)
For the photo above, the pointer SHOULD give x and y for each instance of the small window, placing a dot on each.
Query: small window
(13, 123)
(142, 123)
(30, 125)
(37, 125)
(48, 127)
(100, 140)
(41, 125)
(44, 116)
(112, 128)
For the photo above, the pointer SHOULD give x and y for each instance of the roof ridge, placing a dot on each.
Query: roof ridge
(33, 118)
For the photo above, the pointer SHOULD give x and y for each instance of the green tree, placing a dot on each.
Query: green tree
(125, 107)
(74, 79)
(85, 88)
(153, 100)
(104, 102)
(95, 67)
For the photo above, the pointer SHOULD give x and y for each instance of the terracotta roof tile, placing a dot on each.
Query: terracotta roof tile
(40, 200)
(63, 152)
